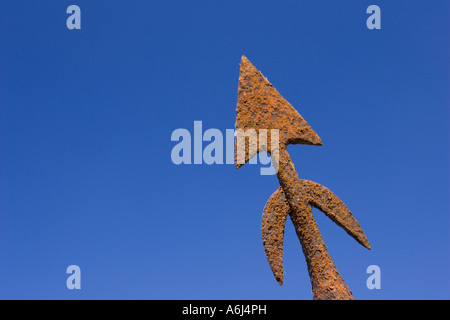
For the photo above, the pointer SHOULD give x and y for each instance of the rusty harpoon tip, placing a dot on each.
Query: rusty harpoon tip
(261, 107)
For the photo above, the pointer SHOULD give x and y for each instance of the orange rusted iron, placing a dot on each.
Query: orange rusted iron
(260, 106)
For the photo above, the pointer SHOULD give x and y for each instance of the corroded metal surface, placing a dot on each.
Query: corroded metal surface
(272, 231)
(326, 201)
(277, 209)
(260, 106)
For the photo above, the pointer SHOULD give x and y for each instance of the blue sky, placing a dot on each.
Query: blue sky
(86, 117)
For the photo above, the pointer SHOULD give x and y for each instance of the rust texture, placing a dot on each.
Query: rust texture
(277, 209)
(260, 106)
(272, 231)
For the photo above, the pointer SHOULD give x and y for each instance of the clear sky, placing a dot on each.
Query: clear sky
(86, 118)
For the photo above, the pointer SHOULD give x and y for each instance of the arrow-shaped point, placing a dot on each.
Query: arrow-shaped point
(261, 106)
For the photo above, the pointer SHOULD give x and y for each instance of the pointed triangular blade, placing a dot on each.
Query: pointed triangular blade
(261, 106)
(326, 201)
(272, 231)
